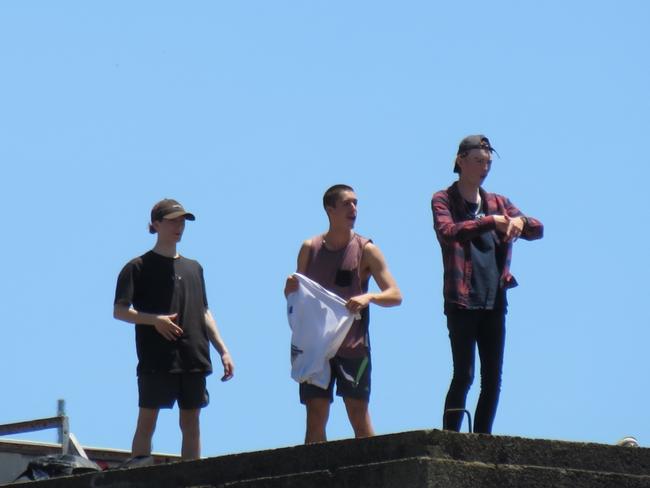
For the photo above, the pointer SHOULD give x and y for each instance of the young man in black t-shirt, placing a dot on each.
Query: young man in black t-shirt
(163, 293)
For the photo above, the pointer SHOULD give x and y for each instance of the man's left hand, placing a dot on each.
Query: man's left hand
(228, 366)
(358, 303)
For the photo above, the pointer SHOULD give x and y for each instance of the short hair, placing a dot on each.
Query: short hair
(333, 193)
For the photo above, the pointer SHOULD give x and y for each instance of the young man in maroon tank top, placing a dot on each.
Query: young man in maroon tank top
(343, 262)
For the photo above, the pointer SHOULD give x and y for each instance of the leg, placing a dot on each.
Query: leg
(189, 422)
(462, 329)
(144, 432)
(317, 403)
(353, 384)
(359, 417)
(192, 397)
(318, 411)
(491, 342)
(155, 391)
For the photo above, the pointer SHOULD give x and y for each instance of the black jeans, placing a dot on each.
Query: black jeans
(468, 329)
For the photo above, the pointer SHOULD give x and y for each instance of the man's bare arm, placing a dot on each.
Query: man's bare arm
(291, 284)
(164, 324)
(217, 342)
(390, 295)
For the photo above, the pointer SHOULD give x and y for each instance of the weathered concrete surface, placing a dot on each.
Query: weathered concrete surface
(411, 459)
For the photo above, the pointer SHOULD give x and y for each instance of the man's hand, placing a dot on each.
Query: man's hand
(291, 285)
(511, 228)
(228, 366)
(167, 328)
(359, 302)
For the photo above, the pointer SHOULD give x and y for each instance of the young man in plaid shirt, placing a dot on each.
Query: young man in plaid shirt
(476, 231)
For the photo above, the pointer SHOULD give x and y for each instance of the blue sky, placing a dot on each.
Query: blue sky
(246, 112)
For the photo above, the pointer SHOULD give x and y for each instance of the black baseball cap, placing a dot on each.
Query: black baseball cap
(168, 209)
(477, 141)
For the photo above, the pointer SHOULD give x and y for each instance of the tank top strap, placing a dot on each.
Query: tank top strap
(354, 249)
(317, 243)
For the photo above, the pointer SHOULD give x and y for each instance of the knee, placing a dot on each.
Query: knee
(318, 410)
(359, 417)
(462, 380)
(189, 421)
(357, 413)
(146, 424)
(491, 381)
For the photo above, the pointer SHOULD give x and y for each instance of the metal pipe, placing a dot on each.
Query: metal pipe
(60, 411)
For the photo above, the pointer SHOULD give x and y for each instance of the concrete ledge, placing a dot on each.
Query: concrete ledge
(419, 458)
(425, 473)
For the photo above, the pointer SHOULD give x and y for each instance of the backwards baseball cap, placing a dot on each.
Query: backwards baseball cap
(168, 209)
(478, 141)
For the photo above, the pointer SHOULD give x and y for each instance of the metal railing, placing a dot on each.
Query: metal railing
(69, 443)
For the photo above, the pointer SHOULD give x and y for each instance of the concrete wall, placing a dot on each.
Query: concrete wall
(411, 459)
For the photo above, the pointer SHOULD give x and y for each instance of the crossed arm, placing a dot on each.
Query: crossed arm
(511, 225)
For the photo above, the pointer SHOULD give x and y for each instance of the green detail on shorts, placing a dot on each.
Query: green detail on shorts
(362, 369)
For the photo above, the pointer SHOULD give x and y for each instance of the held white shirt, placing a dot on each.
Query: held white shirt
(319, 322)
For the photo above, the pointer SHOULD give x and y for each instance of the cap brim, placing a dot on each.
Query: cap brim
(180, 213)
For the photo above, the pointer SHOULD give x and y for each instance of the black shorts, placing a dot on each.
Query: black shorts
(352, 377)
(162, 390)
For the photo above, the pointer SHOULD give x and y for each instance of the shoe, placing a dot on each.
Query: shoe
(137, 462)
(628, 441)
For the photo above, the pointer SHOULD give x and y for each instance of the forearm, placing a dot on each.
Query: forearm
(214, 336)
(465, 230)
(218, 344)
(533, 229)
(132, 316)
(390, 297)
(449, 230)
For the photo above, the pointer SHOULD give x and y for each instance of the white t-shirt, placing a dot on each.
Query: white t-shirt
(319, 322)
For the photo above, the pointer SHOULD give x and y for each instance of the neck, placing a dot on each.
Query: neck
(469, 191)
(336, 238)
(167, 249)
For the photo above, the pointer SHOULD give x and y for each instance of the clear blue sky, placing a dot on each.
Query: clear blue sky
(246, 112)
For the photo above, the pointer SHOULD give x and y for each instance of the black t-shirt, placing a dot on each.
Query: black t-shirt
(161, 285)
(484, 289)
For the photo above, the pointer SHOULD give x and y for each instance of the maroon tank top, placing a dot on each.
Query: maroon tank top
(338, 271)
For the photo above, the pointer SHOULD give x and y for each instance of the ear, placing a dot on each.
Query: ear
(459, 160)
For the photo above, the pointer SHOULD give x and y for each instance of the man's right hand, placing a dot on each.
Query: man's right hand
(291, 285)
(510, 227)
(167, 328)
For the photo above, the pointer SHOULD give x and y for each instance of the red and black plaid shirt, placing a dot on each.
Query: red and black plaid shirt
(454, 233)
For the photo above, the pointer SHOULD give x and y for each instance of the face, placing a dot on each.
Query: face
(345, 211)
(170, 230)
(475, 166)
